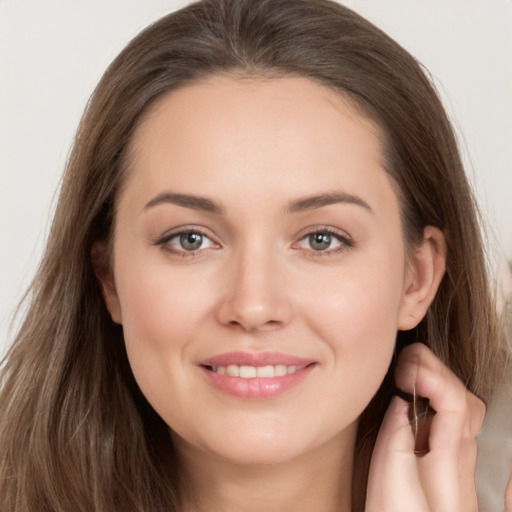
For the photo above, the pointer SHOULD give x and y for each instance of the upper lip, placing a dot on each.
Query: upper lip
(256, 359)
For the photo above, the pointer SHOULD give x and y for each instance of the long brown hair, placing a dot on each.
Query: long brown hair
(75, 431)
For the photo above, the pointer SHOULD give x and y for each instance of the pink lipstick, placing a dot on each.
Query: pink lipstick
(256, 376)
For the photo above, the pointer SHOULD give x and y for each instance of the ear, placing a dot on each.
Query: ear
(101, 263)
(425, 271)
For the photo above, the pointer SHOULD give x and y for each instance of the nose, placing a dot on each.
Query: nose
(255, 295)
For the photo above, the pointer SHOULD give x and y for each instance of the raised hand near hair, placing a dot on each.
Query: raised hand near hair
(443, 480)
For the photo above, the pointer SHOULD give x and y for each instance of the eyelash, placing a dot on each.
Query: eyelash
(165, 245)
(345, 242)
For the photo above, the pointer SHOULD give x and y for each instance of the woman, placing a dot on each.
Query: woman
(265, 203)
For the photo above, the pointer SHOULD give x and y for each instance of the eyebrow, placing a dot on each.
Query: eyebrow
(325, 199)
(187, 201)
(297, 206)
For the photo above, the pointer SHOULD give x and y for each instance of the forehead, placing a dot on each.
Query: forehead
(248, 133)
(226, 100)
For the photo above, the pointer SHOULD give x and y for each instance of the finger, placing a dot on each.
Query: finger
(393, 484)
(467, 470)
(476, 414)
(508, 496)
(448, 482)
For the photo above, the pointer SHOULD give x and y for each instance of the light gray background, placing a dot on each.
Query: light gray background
(53, 52)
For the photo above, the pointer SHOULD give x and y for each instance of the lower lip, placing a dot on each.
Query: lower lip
(257, 388)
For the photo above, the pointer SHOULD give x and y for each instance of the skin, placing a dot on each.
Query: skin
(256, 284)
(508, 496)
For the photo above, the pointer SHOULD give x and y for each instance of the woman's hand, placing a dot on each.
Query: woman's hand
(443, 480)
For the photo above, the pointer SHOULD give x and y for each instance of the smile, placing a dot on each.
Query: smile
(252, 372)
(256, 376)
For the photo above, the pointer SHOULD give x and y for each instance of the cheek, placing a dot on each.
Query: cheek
(160, 316)
(158, 305)
(357, 300)
(355, 313)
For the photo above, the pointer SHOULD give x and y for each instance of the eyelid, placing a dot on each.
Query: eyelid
(346, 240)
(163, 240)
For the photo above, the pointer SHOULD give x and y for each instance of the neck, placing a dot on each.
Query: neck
(318, 480)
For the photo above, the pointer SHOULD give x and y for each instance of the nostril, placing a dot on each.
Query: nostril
(274, 323)
(249, 326)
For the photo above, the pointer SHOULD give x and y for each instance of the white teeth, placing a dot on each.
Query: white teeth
(280, 370)
(247, 372)
(250, 372)
(265, 371)
(233, 370)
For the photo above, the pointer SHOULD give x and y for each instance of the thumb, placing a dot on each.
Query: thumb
(393, 482)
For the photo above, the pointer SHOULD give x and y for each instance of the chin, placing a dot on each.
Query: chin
(266, 446)
(253, 454)
(245, 446)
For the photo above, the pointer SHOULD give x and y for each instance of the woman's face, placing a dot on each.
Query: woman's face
(259, 269)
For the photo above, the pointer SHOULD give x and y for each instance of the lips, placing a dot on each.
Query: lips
(256, 376)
